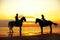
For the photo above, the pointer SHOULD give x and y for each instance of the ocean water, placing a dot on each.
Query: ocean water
(28, 31)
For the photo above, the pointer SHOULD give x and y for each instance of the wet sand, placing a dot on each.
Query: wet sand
(37, 37)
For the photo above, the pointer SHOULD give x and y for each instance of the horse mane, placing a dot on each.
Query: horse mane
(38, 19)
(22, 18)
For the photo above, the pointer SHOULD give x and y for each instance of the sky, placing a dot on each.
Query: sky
(31, 9)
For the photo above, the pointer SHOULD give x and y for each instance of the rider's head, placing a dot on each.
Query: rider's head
(42, 15)
(17, 14)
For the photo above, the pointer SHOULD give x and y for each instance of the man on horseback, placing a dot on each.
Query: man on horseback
(43, 19)
(16, 18)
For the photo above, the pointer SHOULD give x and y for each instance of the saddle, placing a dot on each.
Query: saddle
(44, 21)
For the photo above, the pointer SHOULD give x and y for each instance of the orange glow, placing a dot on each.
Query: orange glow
(30, 9)
(28, 31)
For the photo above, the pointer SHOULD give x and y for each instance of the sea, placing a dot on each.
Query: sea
(28, 31)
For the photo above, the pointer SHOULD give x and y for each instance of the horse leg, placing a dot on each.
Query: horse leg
(9, 29)
(41, 30)
(12, 29)
(20, 33)
(50, 29)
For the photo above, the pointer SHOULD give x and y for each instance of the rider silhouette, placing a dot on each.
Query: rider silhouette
(43, 19)
(16, 18)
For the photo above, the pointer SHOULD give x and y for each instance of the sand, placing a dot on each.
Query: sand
(37, 37)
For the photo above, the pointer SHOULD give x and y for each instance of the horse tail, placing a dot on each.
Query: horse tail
(55, 23)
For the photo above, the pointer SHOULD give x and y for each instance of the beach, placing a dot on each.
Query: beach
(28, 33)
(29, 19)
(37, 37)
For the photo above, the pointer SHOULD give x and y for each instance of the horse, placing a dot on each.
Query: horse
(42, 24)
(11, 24)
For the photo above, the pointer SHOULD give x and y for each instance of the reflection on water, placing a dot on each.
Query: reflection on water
(27, 31)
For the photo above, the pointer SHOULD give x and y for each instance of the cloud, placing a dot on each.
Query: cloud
(29, 16)
(26, 16)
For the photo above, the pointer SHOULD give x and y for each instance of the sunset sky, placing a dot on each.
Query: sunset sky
(31, 9)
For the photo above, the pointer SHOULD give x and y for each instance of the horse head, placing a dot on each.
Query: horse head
(23, 19)
(37, 20)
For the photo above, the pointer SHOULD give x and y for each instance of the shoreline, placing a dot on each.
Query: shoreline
(37, 37)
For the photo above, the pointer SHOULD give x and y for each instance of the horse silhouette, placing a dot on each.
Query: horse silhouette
(11, 24)
(42, 24)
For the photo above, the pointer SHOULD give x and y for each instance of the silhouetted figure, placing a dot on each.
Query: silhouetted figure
(16, 18)
(11, 24)
(43, 19)
(41, 24)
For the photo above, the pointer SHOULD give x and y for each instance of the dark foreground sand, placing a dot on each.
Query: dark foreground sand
(38, 37)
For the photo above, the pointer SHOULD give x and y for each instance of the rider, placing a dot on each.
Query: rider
(16, 18)
(43, 17)
(44, 20)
